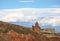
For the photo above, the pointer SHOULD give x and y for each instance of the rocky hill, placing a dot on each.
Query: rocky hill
(12, 32)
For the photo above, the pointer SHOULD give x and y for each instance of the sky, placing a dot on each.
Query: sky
(46, 12)
(8, 4)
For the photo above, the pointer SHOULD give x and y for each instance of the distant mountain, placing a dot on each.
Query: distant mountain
(29, 24)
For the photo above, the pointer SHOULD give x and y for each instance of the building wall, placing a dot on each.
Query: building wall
(49, 30)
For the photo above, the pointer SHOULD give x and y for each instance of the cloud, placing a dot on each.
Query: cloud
(43, 15)
(12, 17)
(26, 1)
(54, 21)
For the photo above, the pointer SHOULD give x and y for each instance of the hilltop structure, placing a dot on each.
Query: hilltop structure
(38, 29)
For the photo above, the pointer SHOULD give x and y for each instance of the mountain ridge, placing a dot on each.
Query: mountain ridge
(13, 32)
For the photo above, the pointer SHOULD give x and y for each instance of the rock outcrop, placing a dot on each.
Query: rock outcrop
(12, 32)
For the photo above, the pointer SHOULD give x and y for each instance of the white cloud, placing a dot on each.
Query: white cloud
(54, 21)
(12, 17)
(50, 15)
